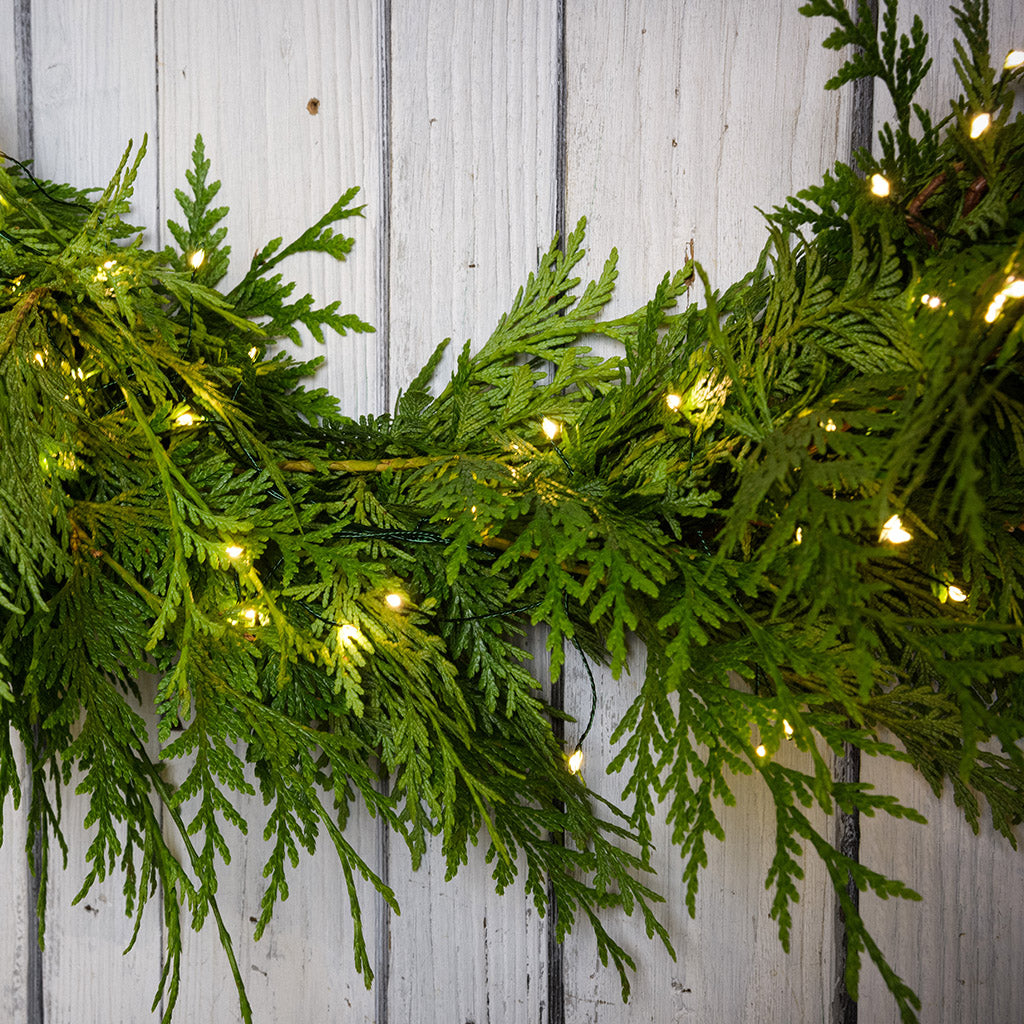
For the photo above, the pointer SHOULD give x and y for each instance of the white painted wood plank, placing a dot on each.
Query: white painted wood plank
(246, 84)
(472, 135)
(14, 937)
(8, 81)
(92, 81)
(473, 107)
(960, 948)
(14, 925)
(682, 118)
(93, 91)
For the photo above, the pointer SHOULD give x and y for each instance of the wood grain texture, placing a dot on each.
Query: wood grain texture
(93, 92)
(962, 946)
(682, 118)
(14, 924)
(8, 80)
(247, 83)
(92, 87)
(472, 201)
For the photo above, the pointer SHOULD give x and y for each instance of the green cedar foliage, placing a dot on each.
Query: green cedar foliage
(174, 502)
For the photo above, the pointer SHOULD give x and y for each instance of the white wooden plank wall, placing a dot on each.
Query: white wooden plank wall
(14, 925)
(679, 118)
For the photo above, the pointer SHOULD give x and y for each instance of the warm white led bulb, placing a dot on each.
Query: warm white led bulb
(1014, 288)
(249, 614)
(787, 728)
(253, 353)
(893, 532)
(1014, 59)
(195, 261)
(185, 419)
(40, 358)
(234, 551)
(799, 535)
(761, 750)
(979, 124)
(575, 761)
(880, 185)
(348, 632)
(673, 401)
(830, 425)
(550, 428)
(394, 600)
(956, 594)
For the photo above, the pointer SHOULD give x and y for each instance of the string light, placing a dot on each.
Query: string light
(195, 261)
(40, 358)
(348, 633)
(673, 401)
(880, 185)
(931, 301)
(893, 532)
(829, 425)
(955, 593)
(550, 428)
(233, 551)
(1014, 59)
(1013, 289)
(761, 750)
(249, 614)
(980, 124)
(253, 353)
(787, 728)
(575, 761)
(799, 535)
(185, 419)
(393, 600)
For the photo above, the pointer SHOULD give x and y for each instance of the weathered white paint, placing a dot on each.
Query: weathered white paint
(245, 84)
(473, 103)
(960, 948)
(14, 927)
(681, 118)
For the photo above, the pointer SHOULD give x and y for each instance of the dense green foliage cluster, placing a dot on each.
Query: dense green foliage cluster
(334, 609)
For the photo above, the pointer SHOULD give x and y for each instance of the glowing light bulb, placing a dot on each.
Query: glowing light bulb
(880, 185)
(673, 401)
(830, 425)
(550, 428)
(195, 261)
(253, 353)
(956, 594)
(1014, 59)
(799, 535)
(348, 632)
(893, 532)
(394, 601)
(787, 728)
(575, 761)
(761, 750)
(185, 419)
(110, 264)
(1014, 288)
(980, 124)
(249, 614)
(234, 551)
(40, 358)
(995, 307)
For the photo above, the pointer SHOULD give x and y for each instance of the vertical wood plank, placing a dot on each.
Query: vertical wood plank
(14, 925)
(246, 84)
(682, 118)
(961, 947)
(473, 102)
(92, 89)
(8, 79)
(15, 930)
